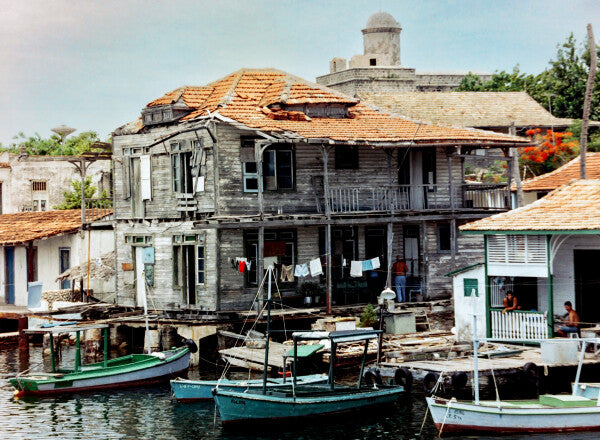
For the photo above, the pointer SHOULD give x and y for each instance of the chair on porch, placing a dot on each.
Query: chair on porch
(413, 287)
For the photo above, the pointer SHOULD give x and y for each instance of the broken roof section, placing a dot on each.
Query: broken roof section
(469, 109)
(564, 174)
(572, 208)
(24, 227)
(259, 99)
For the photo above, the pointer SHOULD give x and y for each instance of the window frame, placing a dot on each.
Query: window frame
(439, 227)
(276, 152)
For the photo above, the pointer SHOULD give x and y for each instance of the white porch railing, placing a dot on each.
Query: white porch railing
(519, 325)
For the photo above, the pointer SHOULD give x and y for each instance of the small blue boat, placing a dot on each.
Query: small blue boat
(185, 390)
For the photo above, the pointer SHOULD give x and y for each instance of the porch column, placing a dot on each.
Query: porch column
(259, 260)
(513, 169)
(453, 243)
(449, 153)
(488, 321)
(550, 290)
(328, 259)
(328, 268)
(390, 239)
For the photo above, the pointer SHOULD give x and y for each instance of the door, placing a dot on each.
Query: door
(189, 259)
(376, 246)
(587, 280)
(9, 271)
(411, 249)
(65, 263)
(140, 278)
(137, 204)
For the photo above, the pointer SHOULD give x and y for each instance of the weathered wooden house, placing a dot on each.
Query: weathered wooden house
(262, 167)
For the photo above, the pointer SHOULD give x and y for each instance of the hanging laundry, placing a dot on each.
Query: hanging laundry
(344, 262)
(315, 267)
(242, 266)
(301, 270)
(287, 273)
(248, 265)
(269, 262)
(367, 265)
(356, 269)
(375, 263)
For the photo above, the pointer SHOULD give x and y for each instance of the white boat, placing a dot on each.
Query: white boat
(549, 413)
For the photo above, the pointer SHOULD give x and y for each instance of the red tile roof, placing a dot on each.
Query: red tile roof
(245, 96)
(23, 227)
(572, 207)
(564, 174)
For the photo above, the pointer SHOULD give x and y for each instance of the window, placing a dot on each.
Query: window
(64, 258)
(182, 170)
(139, 240)
(346, 157)
(39, 195)
(373, 61)
(200, 264)
(470, 286)
(250, 176)
(444, 237)
(278, 170)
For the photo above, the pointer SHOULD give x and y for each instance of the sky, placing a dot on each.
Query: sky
(94, 64)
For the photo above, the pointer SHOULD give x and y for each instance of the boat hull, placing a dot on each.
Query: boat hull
(152, 369)
(185, 390)
(468, 417)
(236, 407)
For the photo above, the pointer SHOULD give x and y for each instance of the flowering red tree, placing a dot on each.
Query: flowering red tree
(553, 150)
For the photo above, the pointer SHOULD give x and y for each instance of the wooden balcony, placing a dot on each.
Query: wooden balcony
(399, 198)
(97, 207)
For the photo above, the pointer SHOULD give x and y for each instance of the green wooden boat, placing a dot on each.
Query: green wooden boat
(300, 401)
(125, 371)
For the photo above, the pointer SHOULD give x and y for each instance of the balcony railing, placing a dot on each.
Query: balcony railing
(519, 325)
(97, 208)
(396, 198)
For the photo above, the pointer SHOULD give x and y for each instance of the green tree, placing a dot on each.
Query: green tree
(561, 86)
(73, 197)
(37, 146)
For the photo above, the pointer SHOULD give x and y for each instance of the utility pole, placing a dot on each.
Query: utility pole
(586, 103)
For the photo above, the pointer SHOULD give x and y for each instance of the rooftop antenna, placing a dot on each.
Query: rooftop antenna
(63, 131)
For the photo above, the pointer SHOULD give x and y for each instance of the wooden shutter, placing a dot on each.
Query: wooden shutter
(126, 166)
(146, 183)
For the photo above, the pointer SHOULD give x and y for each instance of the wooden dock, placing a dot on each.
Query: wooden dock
(254, 358)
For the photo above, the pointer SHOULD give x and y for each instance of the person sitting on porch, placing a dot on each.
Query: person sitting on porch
(399, 270)
(572, 324)
(510, 302)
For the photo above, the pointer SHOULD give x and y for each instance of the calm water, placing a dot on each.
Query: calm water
(151, 414)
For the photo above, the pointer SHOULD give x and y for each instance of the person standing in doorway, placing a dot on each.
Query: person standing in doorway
(399, 270)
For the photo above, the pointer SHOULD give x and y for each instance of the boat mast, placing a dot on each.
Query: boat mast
(475, 347)
(269, 273)
(145, 303)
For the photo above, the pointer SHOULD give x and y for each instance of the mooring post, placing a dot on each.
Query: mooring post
(23, 337)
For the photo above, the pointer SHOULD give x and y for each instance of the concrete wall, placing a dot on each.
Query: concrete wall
(48, 262)
(464, 306)
(56, 171)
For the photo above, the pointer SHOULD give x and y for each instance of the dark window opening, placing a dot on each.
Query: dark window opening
(278, 170)
(346, 157)
(444, 237)
(373, 61)
(182, 172)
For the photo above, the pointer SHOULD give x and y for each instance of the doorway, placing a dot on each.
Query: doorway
(376, 246)
(9, 271)
(587, 282)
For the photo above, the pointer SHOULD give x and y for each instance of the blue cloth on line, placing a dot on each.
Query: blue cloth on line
(301, 270)
(367, 265)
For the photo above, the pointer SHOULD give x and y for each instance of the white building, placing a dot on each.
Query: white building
(38, 246)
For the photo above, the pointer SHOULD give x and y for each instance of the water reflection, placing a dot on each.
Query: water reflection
(151, 414)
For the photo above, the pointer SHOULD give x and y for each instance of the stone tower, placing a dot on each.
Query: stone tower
(382, 37)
